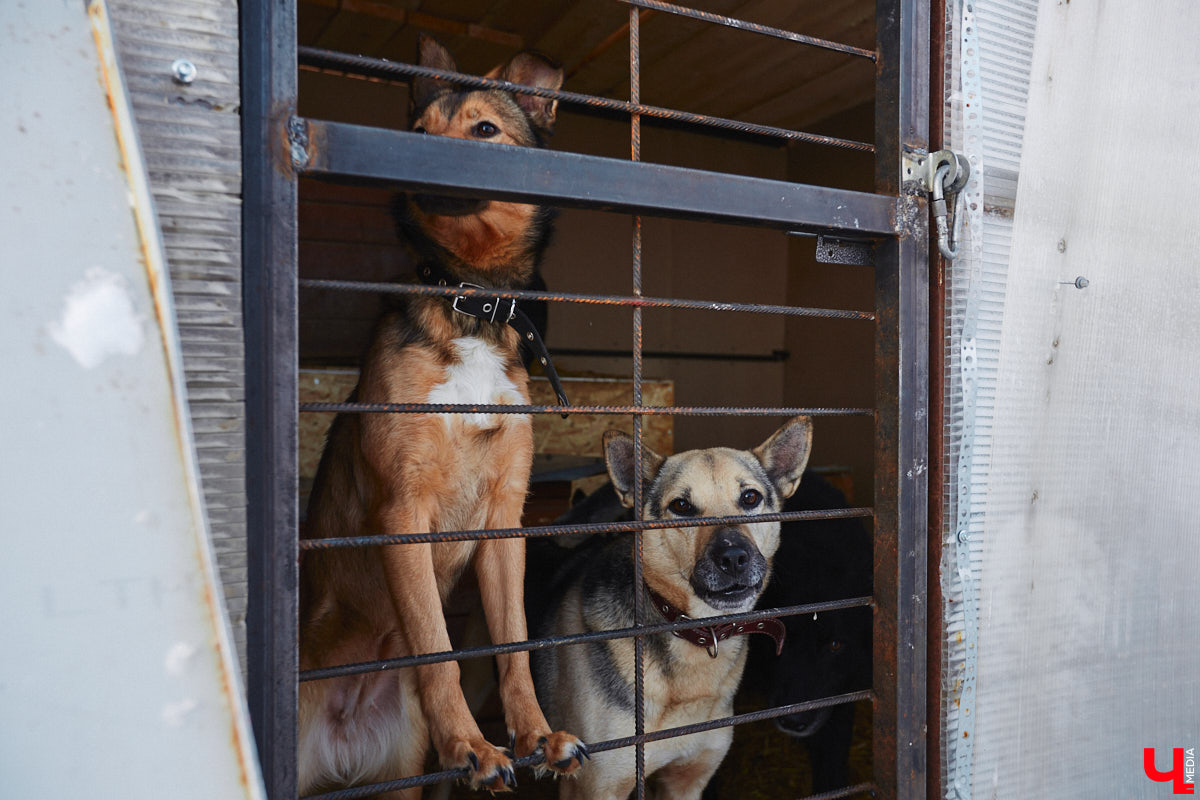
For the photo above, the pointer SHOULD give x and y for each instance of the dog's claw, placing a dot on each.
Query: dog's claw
(562, 754)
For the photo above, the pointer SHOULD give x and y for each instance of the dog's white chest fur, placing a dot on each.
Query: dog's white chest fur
(477, 377)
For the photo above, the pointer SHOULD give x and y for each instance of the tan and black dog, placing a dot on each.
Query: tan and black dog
(406, 473)
(694, 572)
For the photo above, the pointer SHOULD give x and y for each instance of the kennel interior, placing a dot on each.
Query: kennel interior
(754, 134)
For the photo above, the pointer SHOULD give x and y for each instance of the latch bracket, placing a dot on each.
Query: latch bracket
(922, 169)
(845, 251)
(939, 174)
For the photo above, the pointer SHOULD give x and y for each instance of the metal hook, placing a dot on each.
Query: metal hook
(945, 238)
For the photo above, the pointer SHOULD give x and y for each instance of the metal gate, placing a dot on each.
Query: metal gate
(279, 147)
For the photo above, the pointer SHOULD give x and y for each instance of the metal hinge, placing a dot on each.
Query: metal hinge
(940, 174)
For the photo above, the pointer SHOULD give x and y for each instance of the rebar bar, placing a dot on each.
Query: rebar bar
(586, 299)
(752, 27)
(349, 64)
(600, 747)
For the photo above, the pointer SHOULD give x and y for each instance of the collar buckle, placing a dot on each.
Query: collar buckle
(465, 285)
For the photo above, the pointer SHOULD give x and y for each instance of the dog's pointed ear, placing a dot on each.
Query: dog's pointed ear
(533, 69)
(431, 54)
(618, 455)
(785, 454)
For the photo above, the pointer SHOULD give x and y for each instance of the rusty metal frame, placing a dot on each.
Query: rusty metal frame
(902, 393)
(270, 302)
(279, 147)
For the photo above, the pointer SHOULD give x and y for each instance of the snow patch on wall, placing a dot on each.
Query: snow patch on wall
(99, 320)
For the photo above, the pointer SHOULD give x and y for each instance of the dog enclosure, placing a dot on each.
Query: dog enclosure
(1051, 654)
(285, 146)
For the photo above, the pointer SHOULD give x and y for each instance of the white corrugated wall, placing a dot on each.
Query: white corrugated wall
(1071, 543)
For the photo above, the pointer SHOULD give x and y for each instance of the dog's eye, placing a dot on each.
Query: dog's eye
(835, 646)
(682, 508)
(420, 129)
(750, 498)
(485, 129)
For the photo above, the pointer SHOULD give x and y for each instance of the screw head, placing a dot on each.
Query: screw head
(183, 71)
(962, 536)
(1081, 282)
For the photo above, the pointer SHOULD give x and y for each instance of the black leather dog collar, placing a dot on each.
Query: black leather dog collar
(502, 311)
(709, 638)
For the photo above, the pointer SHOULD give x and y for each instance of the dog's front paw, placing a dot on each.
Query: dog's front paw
(563, 752)
(489, 767)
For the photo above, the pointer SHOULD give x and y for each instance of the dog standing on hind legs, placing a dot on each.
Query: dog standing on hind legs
(405, 473)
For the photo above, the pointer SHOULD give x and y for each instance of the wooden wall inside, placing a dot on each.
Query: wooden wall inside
(832, 362)
(346, 232)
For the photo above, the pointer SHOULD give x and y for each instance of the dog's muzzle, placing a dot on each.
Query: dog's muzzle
(730, 572)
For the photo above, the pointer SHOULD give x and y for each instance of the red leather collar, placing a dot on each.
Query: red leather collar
(709, 638)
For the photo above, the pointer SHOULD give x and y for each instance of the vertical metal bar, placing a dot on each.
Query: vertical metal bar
(635, 154)
(268, 64)
(937, 446)
(902, 397)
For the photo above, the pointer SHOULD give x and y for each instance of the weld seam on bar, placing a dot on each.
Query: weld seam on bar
(369, 790)
(378, 67)
(683, 411)
(385, 665)
(587, 299)
(380, 539)
(752, 27)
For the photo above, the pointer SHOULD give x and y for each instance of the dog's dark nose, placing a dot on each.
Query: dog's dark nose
(732, 558)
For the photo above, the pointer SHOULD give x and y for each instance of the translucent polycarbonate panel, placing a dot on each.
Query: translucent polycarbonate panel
(998, 51)
(1089, 603)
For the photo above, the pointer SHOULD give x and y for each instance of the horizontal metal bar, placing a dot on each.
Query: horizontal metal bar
(648, 411)
(600, 747)
(376, 540)
(337, 150)
(384, 665)
(838, 794)
(752, 27)
(775, 356)
(586, 299)
(350, 64)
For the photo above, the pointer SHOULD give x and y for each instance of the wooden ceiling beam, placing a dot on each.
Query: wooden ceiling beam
(604, 46)
(420, 19)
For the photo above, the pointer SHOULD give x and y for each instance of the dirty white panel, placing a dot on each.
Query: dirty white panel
(116, 675)
(1089, 598)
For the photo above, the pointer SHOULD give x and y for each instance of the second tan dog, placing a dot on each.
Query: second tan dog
(687, 572)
